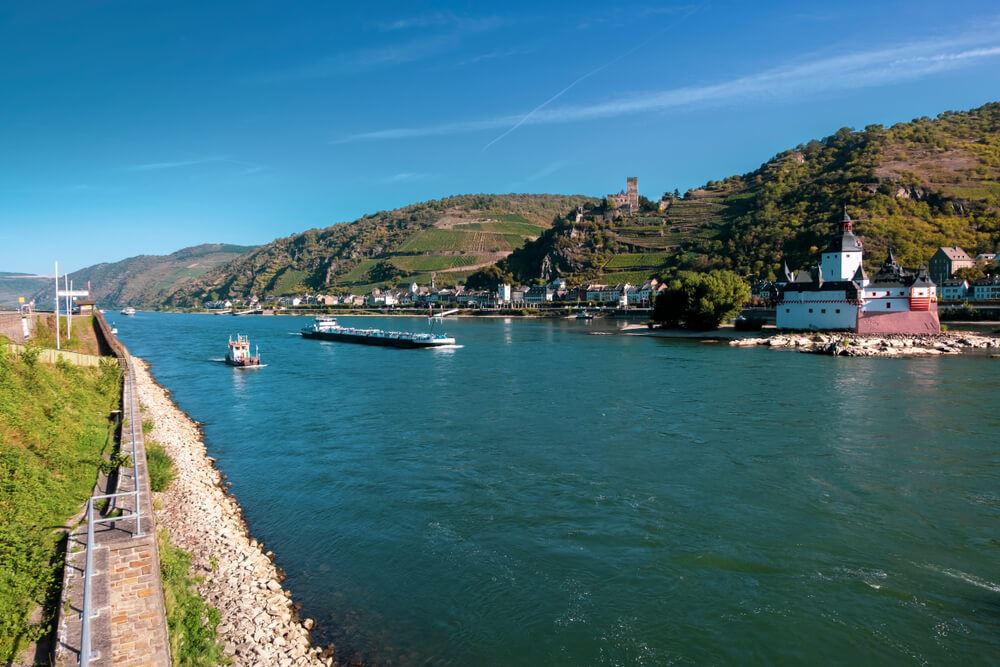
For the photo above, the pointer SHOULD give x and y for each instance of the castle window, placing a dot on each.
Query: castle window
(823, 311)
(838, 311)
(810, 310)
(888, 304)
(787, 310)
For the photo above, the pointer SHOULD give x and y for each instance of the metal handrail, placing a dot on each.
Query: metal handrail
(136, 513)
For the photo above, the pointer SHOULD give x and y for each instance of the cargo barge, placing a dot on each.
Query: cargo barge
(326, 328)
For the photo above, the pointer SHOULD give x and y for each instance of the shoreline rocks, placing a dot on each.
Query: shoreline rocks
(260, 623)
(885, 345)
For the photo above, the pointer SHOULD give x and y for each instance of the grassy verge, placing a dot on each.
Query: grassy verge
(190, 622)
(159, 466)
(54, 430)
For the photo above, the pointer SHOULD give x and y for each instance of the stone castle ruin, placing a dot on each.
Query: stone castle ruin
(628, 199)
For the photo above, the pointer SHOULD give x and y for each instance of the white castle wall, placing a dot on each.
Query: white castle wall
(840, 265)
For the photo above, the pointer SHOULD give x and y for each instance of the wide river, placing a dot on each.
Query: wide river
(544, 496)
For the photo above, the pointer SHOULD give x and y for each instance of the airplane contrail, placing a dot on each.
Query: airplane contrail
(591, 73)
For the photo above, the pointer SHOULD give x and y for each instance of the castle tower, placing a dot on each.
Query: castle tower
(842, 256)
(632, 190)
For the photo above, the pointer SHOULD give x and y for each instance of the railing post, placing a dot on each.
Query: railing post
(135, 459)
(88, 567)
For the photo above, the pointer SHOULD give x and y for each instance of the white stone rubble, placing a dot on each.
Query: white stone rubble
(259, 624)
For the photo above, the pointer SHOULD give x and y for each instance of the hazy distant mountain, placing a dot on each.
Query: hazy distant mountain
(449, 238)
(146, 280)
(14, 285)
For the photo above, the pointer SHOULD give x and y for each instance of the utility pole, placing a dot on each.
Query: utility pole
(69, 311)
(57, 305)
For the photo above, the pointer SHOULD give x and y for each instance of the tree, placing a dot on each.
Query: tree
(383, 272)
(701, 300)
(489, 278)
(970, 273)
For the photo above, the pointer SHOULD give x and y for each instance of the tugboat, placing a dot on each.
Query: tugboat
(239, 353)
(325, 327)
(128, 310)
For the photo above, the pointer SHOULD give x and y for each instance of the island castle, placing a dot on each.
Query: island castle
(837, 294)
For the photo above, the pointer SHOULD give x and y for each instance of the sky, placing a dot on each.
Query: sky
(132, 127)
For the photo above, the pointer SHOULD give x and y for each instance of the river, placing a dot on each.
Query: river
(544, 496)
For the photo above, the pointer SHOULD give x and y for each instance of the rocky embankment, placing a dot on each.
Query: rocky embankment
(259, 623)
(894, 345)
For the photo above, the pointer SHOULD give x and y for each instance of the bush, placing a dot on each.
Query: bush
(159, 466)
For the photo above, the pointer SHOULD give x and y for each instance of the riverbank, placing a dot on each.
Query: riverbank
(893, 345)
(259, 623)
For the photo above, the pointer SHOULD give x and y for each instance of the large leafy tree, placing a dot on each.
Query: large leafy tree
(701, 300)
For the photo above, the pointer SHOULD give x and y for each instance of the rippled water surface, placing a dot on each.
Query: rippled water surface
(546, 496)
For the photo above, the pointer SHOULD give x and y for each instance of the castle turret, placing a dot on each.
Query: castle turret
(843, 254)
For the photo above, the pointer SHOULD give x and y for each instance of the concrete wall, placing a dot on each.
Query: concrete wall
(816, 315)
(11, 327)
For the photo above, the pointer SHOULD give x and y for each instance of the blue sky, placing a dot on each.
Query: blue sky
(140, 128)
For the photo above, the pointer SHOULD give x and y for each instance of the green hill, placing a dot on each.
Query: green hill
(914, 186)
(451, 237)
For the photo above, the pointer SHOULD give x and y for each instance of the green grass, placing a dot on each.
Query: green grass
(159, 466)
(54, 429)
(191, 624)
(83, 339)
(423, 263)
(637, 260)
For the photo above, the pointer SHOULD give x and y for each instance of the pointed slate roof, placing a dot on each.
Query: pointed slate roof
(860, 275)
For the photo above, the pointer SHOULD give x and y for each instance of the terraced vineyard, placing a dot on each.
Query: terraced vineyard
(522, 229)
(419, 263)
(452, 240)
(637, 261)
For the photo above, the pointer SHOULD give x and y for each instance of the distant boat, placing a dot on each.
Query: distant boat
(584, 315)
(114, 329)
(239, 355)
(128, 310)
(326, 328)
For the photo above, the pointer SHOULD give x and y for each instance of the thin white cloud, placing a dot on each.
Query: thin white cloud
(245, 167)
(408, 177)
(454, 30)
(496, 54)
(823, 75)
(445, 20)
(156, 166)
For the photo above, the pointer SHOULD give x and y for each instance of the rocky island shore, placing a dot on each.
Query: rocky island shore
(259, 623)
(888, 345)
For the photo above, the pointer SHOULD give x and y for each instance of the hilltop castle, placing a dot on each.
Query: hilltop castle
(629, 197)
(837, 294)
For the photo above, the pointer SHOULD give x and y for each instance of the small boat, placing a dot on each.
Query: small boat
(325, 327)
(114, 329)
(584, 315)
(239, 355)
(128, 310)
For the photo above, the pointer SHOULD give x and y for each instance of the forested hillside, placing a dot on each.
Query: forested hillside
(448, 237)
(915, 186)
